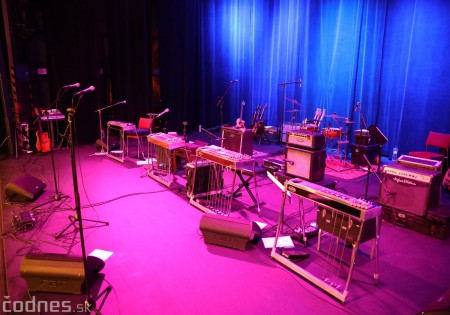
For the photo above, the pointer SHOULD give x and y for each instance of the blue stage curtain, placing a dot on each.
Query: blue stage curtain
(388, 56)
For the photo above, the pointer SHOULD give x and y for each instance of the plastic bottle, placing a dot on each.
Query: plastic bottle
(394, 153)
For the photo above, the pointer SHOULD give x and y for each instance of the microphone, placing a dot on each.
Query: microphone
(300, 82)
(121, 102)
(89, 89)
(162, 113)
(233, 81)
(357, 106)
(75, 85)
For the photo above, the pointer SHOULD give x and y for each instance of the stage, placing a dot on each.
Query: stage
(159, 262)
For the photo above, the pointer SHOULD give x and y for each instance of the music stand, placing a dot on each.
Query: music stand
(283, 85)
(99, 111)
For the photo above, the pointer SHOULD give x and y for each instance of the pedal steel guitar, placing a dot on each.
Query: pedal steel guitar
(345, 220)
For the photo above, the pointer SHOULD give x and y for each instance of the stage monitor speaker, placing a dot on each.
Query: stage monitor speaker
(54, 273)
(229, 232)
(414, 190)
(238, 140)
(377, 134)
(24, 188)
(306, 164)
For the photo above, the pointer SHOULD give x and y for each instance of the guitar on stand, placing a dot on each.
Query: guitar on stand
(258, 126)
(239, 122)
(42, 139)
(255, 115)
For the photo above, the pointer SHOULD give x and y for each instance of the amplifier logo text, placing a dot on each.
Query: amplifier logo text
(404, 181)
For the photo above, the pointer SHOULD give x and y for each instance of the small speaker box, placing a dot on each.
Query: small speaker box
(229, 232)
(53, 273)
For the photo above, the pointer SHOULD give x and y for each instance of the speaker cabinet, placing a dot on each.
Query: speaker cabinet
(24, 188)
(53, 273)
(238, 140)
(446, 181)
(309, 165)
(200, 186)
(372, 153)
(414, 190)
(229, 232)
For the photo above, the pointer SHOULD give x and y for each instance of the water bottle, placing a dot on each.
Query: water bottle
(394, 153)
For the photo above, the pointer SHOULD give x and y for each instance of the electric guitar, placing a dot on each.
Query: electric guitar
(43, 141)
(259, 124)
(255, 115)
(239, 122)
(321, 115)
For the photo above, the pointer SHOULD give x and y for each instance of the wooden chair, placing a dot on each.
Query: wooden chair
(143, 130)
(441, 144)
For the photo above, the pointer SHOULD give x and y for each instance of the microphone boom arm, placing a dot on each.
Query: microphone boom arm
(109, 106)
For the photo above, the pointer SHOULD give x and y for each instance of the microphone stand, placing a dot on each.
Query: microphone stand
(185, 131)
(57, 196)
(71, 113)
(220, 101)
(211, 135)
(89, 302)
(99, 111)
(153, 116)
(368, 174)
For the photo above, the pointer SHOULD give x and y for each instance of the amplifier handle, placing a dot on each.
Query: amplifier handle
(289, 161)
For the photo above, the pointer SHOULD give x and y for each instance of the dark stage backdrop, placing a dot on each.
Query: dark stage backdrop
(390, 56)
(387, 55)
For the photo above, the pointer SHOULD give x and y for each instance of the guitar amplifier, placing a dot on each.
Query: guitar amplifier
(238, 140)
(306, 139)
(198, 186)
(410, 189)
(306, 164)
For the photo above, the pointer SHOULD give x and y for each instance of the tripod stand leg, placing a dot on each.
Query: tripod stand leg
(91, 303)
(72, 222)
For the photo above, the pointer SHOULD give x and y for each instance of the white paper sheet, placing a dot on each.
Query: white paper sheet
(102, 254)
(283, 241)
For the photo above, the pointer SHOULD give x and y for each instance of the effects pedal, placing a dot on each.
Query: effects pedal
(24, 221)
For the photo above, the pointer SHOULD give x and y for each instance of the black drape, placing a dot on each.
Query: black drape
(181, 55)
